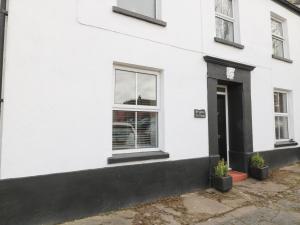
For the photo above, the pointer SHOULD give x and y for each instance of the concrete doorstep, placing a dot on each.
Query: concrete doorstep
(274, 201)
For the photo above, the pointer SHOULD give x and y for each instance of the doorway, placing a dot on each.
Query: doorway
(223, 131)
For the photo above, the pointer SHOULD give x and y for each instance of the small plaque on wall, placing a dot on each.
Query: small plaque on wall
(199, 113)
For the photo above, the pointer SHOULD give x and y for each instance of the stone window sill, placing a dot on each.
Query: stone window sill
(282, 59)
(139, 16)
(140, 156)
(229, 43)
(285, 144)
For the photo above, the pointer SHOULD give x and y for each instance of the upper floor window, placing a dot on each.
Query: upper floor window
(135, 110)
(225, 19)
(279, 38)
(144, 7)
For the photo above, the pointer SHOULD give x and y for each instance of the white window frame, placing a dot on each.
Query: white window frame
(157, 9)
(284, 37)
(234, 19)
(287, 114)
(139, 108)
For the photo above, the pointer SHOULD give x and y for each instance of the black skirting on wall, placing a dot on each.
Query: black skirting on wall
(56, 198)
(280, 157)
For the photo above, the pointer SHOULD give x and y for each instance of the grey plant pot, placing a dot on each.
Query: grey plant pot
(223, 184)
(259, 173)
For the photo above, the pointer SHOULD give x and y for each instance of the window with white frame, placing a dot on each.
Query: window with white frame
(225, 19)
(278, 39)
(135, 110)
(144, 7)
(282, 118)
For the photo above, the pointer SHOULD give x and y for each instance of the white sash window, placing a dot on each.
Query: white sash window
(135, 110)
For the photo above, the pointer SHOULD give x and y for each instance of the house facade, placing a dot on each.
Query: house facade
(113, 102)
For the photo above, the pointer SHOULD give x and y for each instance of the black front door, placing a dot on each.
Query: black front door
(222, 138)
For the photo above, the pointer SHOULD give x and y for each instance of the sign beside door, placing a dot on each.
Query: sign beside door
(200, 113)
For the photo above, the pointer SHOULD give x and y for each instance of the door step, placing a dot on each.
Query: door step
(238, 176)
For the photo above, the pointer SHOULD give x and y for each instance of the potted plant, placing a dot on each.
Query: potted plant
(258, 169)
(222, 181)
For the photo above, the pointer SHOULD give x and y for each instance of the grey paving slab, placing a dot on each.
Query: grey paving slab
(196, 204)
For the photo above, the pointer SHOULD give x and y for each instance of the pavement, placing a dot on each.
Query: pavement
(250, 202)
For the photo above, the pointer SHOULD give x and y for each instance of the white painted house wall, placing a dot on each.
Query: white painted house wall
(58, 87)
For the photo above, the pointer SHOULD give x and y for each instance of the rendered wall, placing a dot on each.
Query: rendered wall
(58, 87)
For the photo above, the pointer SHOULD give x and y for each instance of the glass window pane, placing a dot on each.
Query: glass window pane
(276, 102)
(221, 89)
(224, 29)
(280, 102)
(147, 129)
(227, 8)
(277, 128)
(228, 30)
(125, 87)
(218, 6)
(283, 103)
(278, 47)
(145, 7)
(123, 130)
(219, 28)
(146, 90)
(283, 127)
(277, 28)
(224, 7)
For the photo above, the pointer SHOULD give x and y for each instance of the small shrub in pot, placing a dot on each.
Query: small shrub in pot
(258, 169)
(222, 181)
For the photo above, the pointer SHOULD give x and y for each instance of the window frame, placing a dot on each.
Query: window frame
(139, 108)
(157, 10)
(284, 38)
(279, 38)
(234, 20)
(287, 114)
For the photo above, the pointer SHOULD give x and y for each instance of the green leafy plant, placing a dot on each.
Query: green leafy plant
(221, 170)
(257, 161)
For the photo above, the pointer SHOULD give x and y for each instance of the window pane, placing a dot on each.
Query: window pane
(280, 102)
(221, 89)
(227, 8)
(278, 47)
(283, 103)
(145, 7)
(277, 128)
(282, 127)
(125, 92)
(224, 29)
(277, 28)
(147, 130)
(276, 102)
(218, 6)
(146, 91)
(123, 130)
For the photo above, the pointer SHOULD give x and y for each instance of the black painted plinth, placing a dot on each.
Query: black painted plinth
(57, 198)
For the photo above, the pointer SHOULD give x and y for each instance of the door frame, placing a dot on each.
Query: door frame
(227, 118)
(239, 92)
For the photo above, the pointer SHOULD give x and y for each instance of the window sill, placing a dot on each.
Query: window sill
(139, 16)
(285, 144)
(229, 43)
(139, 156)
(282, 59)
